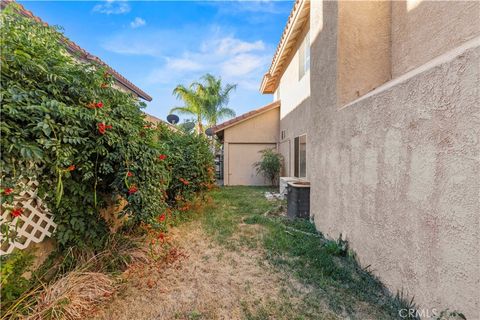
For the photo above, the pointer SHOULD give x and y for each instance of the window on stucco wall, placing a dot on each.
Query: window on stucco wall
(304, 57)
(300, 146)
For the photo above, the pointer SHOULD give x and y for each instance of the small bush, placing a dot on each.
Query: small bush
(12, 268)
(270, 165)
(190, 163)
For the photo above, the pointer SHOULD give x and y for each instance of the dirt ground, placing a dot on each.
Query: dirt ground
(205, 280)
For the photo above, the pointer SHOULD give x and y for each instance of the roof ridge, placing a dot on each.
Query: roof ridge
(245, 116)
(75, 48)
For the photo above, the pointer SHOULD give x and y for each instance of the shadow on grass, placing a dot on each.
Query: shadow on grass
(295, 247)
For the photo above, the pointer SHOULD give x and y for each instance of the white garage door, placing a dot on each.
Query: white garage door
(241, 160)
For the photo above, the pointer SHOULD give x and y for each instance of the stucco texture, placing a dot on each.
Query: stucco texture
(363, 47)
(397, 173)
(293, 124)
(423, 30)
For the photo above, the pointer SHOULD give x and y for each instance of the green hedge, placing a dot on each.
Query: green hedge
(86, 142)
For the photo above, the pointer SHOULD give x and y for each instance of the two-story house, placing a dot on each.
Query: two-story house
(379, 109)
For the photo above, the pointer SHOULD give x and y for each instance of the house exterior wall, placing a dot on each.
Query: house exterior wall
(293, 124)
(294, 94)
(396, 172)
(363, 47)
(423, 30)
(247, 138)
(291, 90)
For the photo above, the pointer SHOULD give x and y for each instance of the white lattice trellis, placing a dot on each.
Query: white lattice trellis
(35, 223)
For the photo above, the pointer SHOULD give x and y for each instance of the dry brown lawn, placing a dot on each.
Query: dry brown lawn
(202, 279)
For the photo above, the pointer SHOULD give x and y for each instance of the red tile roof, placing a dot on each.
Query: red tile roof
(72, 47)
(298, 17)
(245, 116)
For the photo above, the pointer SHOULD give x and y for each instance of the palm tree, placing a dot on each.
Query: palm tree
(193, 103)
(205, 100)
(216, 99)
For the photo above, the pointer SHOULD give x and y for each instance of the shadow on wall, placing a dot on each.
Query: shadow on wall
(396, 172)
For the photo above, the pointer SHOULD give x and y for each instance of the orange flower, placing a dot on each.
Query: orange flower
(91, 105)
(102, 127)
(17, 212)
(71, 168)
(185, 182)
(161, 218)
(7, 191)
(129, 174)
(132, 190)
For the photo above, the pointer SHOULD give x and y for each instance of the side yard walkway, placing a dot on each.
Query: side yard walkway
(238, 259)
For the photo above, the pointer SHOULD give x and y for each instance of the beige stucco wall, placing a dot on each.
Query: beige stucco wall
(397, 172)
(422, 30)
(242, 143)
(363, 47)
(294, 124)
(294, 94)
(291, 90)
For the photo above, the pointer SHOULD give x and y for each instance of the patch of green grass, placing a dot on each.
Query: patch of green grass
(297, 248)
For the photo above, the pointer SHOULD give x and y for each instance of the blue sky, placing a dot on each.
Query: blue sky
(159, 44)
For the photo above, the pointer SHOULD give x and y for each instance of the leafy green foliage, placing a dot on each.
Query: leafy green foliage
(269, 165)
(205, 100)
(86, 142)
(12, 267)
(190, 162)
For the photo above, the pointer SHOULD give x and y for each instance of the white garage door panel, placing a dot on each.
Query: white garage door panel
(241, 160)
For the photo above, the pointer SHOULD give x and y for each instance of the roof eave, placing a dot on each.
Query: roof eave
(76, 49)
(266, 85)
(296, 21)
(244, 117)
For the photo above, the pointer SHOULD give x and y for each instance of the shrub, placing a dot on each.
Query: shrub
(190, 161)
(270, 165)
(12, 268)
(64, 124)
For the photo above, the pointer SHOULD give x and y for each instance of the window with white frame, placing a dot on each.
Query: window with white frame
(300, 146)
(304, 57)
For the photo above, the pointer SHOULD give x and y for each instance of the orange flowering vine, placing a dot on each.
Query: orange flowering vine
(162, 157)
(71, 168)
(17, 212)
(102, 128)
(129, 174)
(162, 217)
(7, 191)
(132, 190)
(95, 105)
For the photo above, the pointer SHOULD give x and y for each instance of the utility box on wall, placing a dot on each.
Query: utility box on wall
(298, 200)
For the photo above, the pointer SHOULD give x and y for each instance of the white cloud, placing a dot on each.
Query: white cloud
(183, 55)
(183, 64)
(233, 46)
(112, 7)
(235, 60)
(242, 65)
(137, 22)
